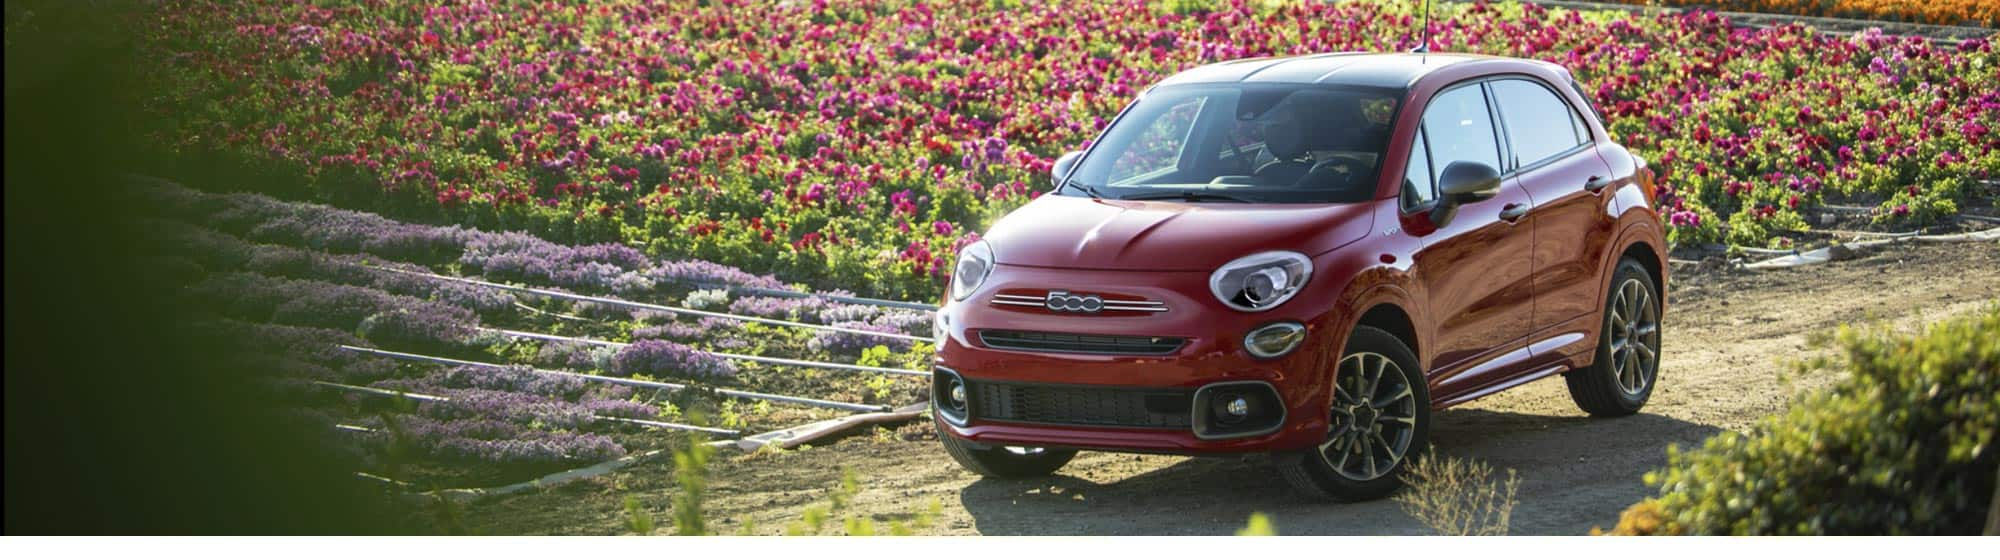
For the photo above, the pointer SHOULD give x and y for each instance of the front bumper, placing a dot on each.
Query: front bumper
(1122, 402)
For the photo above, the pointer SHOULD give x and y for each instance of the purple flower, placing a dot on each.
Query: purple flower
(520, 379)
(853, 343)
(774, 307)
(670, 331)
(619, 408)
(427, 324)
(658, 357)
(569, 355)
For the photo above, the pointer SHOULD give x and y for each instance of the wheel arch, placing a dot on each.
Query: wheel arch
(1392, 318)
(1643, 242)
(1648, 257)
(1381, 298)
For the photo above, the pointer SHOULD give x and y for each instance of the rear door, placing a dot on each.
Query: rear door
(1550, 156)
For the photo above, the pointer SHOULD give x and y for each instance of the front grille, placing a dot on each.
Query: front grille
(1080, 343)
(1082, 405)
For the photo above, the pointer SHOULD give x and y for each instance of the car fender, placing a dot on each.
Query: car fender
(1636, 225)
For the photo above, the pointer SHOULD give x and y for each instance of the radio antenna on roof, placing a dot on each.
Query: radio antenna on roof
(1425, 46)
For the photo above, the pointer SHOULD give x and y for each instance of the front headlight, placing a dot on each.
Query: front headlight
(974, 262)
(1261, 281)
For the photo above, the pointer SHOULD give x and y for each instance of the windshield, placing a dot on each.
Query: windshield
(1243, 143)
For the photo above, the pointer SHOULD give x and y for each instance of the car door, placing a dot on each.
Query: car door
(1551, 158)
(1475, 269)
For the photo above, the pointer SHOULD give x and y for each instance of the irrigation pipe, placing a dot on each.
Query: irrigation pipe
(1825, 254)
(354, 428)
(1868, 233)
(1763, 251)
(601, 418)
(615, 380)
(531, 309)
(744, 357)
(789, 438)
(842, 299)
(649, 306)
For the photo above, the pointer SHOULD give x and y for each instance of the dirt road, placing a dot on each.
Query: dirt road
(1729, 335)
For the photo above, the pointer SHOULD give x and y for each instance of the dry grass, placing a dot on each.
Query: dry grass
(1456, 496)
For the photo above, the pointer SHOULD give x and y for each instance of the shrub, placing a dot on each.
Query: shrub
(1456, 496)
(1905, 445)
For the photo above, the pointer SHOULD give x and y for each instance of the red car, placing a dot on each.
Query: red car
(1304, 257)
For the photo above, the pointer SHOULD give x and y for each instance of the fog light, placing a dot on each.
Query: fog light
(1273, 340)
(948, 396)
(1238, 407)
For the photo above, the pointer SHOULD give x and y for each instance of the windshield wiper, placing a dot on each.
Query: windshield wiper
(1187, 195)
(1087, 189)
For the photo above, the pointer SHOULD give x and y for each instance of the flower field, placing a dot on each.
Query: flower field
(292, 283)
(858, 144)
(1940, 12)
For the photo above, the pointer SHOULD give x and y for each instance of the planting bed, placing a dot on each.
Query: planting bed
(858, 144)
(293, 283)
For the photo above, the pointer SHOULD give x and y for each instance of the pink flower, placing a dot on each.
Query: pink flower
(1685, 219)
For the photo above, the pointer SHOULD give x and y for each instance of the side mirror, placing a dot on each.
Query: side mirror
(1463, 182)
(1063, 166)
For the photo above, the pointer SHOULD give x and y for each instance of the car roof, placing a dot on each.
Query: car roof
(1395, 70)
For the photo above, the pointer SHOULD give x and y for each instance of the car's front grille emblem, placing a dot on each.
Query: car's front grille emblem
(1062, 301)
(1073, 303)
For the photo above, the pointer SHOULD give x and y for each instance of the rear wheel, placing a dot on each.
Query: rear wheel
(1005, 462)
(1628, 348)
(1380, 417)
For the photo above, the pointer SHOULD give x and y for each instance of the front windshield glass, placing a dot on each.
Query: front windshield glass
(1260, 143)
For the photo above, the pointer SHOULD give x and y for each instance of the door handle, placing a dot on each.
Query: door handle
(1596, 183)
(1513, 211)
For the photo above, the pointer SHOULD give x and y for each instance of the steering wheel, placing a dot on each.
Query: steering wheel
(1344, 167)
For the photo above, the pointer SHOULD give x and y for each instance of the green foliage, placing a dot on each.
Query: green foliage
(1258, 526)
(1192, 7)
(1903, 446)
(691, 470)
(638, 519)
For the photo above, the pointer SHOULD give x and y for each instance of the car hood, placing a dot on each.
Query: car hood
(1076, 232)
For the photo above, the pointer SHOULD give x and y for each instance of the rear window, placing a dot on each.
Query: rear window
(1540, 125)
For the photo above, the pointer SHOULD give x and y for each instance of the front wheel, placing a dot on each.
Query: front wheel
(1628, 349)
(1005, 462)
(1380, 416)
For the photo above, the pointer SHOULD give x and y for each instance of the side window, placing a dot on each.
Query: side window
(1539, 124)
(1417, 187)
(1459, 128)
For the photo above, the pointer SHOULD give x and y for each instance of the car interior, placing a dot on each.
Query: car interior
(1296, 144)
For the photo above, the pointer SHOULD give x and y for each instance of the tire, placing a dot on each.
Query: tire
(1001, 462)
(1621, 378)
(1401, 426)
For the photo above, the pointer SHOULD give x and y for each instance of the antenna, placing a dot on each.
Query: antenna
(1425, 46)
